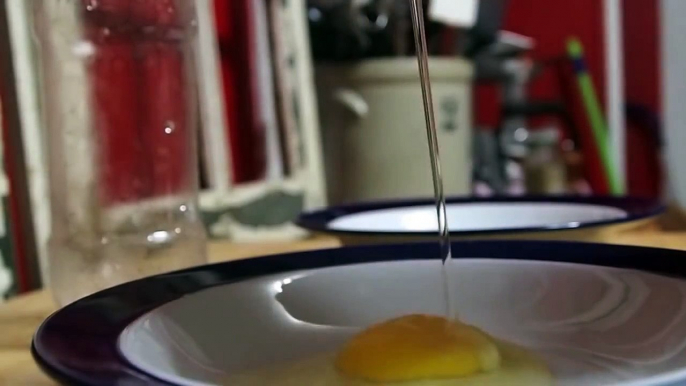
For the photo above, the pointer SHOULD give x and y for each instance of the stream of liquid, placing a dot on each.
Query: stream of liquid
(417, 12)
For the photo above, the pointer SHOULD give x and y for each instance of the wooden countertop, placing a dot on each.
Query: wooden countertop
(20, 317)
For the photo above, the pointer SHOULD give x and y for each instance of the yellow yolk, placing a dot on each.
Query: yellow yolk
(417, 347)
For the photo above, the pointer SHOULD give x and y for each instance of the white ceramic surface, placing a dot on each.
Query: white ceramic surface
(465, 217)
(372, 123)
(592, 325)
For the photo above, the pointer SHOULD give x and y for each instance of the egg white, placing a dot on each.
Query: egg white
(518, 368)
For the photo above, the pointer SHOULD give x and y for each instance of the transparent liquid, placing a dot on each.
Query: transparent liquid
(417, 13)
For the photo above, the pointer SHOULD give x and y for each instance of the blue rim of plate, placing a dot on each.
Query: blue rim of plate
(77, 345)
(636, 208)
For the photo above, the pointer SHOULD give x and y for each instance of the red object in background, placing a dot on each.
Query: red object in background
(115, 93)
(108, 8)
(237, 44)
(551, 23)
(644, 163)
(642, 60)
(642, 55)
(222, 16)
(159, 13)
(163, 116)
(140, 98)
(644, 140)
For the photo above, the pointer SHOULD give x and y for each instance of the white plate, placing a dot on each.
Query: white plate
(592, 325)
(594, 312)
(479, 216)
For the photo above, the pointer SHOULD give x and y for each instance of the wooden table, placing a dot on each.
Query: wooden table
(20, 317)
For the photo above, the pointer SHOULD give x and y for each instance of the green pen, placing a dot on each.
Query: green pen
(595, 115)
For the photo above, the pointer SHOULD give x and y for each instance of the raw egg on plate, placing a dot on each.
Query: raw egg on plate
(414, 350)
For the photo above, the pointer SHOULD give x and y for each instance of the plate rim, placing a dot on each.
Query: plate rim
(637, 208)
(92, 357)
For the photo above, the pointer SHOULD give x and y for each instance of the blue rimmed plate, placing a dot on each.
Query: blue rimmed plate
(578, 218)
(597, 314)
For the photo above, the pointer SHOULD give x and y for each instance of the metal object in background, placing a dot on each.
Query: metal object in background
(487, 29)
(349, 30)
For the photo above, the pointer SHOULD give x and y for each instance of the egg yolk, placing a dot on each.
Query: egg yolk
(417, 347)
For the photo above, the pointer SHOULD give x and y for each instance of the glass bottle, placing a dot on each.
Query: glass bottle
(119, 108)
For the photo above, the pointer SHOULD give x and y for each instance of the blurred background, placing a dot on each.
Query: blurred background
(310, 103)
